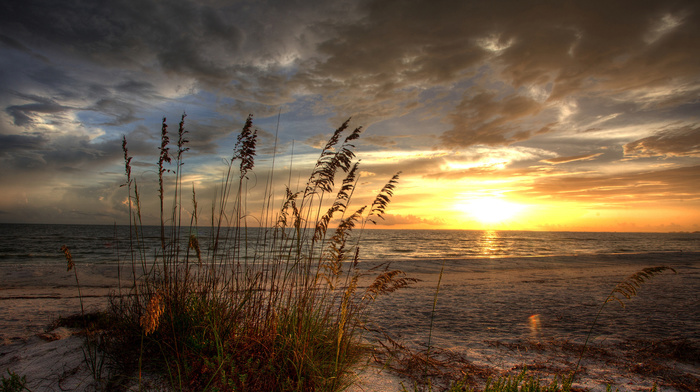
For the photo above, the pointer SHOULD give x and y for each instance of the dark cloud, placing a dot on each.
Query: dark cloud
(484, 119)
(628, 46)
(122, 113)
(373, 59)
(684, 141)
(30, 155)
(204, 136)
(136, 87)
(23, 115)
(14, 44)
(14, 143)
(566, 50)
(123, 32)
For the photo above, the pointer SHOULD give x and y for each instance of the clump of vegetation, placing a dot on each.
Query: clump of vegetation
(13, 383)
(522, 382)
(277, 308)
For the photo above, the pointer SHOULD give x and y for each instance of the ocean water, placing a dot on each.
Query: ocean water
(30, 244)
(504, 297)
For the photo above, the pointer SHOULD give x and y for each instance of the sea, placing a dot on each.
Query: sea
(500, 298)
(40, 244)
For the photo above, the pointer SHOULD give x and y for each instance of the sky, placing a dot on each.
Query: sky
(500, 115)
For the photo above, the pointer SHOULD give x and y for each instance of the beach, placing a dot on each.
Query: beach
(507, 314)
(493, 316)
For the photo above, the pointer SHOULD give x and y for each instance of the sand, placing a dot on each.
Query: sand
(492, 317)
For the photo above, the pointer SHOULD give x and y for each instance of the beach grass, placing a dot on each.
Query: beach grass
(279, 308)
(13, 382)
(522, 382)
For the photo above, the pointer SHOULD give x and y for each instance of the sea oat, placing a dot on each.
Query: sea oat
(628, 287)
(245, 147)
(149, 321)
(382, 200)
(388, 282)
(69, 257)
(194, 244)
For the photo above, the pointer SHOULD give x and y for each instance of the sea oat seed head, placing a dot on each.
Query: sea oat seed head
(149, 321)
(69, 258)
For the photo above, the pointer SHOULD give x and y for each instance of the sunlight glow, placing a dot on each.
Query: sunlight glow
(490, 210)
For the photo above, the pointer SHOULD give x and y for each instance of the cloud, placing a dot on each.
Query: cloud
(484, 119)
(640, 186)
(405, 220)
(122, 112)
(377, 59)
(16, 45)
(380, 141)
(25, 115)
(14, 143)
(684, 141)
(558, 160)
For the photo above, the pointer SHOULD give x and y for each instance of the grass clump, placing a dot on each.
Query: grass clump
(277, 308)
(526, 383)
(13, 383)
(522, 382)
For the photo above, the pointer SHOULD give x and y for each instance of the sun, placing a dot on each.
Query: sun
(490, 211)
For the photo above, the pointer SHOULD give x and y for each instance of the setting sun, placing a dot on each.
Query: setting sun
(490, 210)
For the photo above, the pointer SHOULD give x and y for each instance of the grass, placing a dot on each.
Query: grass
(13, 383)
(275, 309)
(522, 382)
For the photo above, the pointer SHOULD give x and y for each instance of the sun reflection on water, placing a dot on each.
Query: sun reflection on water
(487, 243)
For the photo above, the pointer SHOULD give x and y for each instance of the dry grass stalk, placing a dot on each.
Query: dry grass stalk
(70, 264)
(628, 288)
(69, 258)
(388, 282)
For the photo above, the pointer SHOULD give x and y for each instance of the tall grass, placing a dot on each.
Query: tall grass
(277, 308)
